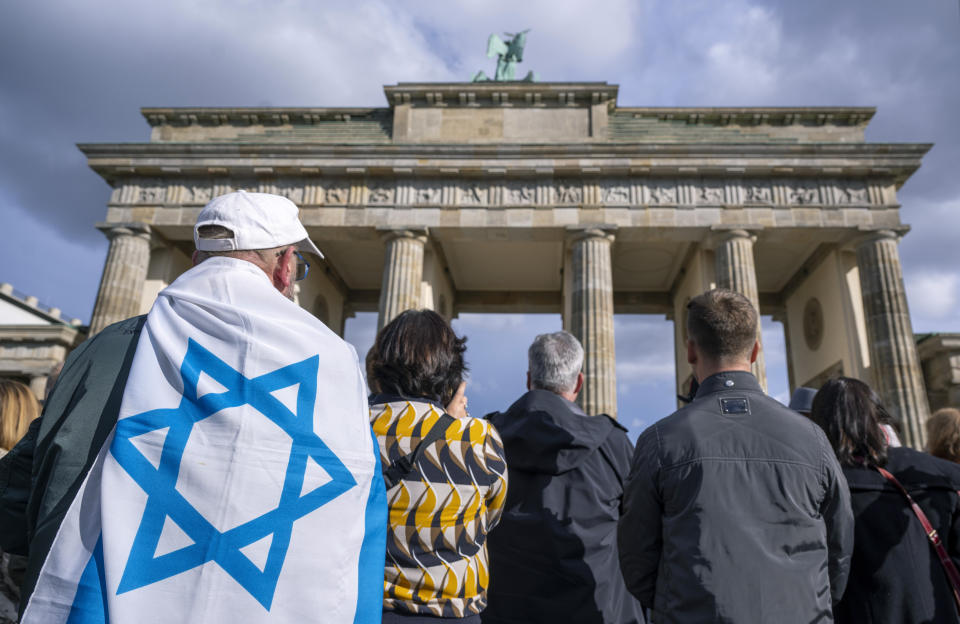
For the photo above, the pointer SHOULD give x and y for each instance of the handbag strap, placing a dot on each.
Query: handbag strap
(951, 570)
(402, 466)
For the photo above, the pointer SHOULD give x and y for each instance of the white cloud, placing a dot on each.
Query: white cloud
(932, 295)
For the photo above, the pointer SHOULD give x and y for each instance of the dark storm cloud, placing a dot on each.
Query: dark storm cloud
(80, 71)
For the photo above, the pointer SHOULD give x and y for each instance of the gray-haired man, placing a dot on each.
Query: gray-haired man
(553, 558)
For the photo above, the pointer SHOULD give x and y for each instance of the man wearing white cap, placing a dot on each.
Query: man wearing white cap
(211, 461)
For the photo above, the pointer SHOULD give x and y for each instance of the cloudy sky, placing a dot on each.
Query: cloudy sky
(77, 72)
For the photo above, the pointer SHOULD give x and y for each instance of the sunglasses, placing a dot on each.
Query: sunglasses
(303, 267)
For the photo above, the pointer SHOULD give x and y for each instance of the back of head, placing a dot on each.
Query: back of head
(554, 362)
(418, 355)
(851, 415)
(722, 324)
(943, 434)
(18, 408)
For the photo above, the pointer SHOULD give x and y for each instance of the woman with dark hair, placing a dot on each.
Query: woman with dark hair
(896, 575)
(449, 490)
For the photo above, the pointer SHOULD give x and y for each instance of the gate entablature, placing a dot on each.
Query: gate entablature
(545, 197)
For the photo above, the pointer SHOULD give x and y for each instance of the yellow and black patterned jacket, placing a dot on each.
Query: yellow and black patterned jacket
(441, 512)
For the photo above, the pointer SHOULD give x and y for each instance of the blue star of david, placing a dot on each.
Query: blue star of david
(163, 501)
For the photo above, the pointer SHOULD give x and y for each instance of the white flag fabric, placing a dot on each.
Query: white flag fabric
(241, 482)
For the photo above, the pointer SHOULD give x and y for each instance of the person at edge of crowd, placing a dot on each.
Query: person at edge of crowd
(553, 558)
(801, 401)
(18, 408)
(735, 509)
(449, 499)
(943, 434)
(895, 574)
(231, 317)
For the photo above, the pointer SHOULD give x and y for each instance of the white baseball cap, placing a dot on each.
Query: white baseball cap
(257, 220)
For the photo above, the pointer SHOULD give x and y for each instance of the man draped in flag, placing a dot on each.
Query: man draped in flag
(211, 462)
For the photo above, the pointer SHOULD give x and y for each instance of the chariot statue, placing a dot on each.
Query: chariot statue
(508, 53)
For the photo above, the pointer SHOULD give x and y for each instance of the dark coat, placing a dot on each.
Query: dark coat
(554, 556)
(736, 510)
(895, 575)
(41, 475)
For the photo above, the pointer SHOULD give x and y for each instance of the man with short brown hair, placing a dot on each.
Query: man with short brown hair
(735, 509)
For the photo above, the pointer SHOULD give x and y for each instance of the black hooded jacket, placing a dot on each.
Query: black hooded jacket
(553, 558)
(895, 576)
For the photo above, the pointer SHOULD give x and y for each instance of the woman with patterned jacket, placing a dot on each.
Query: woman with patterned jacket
(443, 508)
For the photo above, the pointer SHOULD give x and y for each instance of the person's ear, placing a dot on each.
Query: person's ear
(579, 386)
(755, 352)
(283, 271)
(691, 352)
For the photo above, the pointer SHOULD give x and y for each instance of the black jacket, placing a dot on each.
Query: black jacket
(553, 558)
(895, 575)
(41, 475)
(736, 510)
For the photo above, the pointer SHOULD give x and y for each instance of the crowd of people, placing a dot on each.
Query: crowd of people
(735, 508)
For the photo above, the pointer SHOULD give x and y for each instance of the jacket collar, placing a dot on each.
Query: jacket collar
(538, 397)
(389, 397)
(729, 380)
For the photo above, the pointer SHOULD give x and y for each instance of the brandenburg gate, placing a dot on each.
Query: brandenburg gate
(549, 197)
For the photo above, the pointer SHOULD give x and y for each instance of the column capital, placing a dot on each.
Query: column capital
(133, 228)
(866, 235)
(581, 232)
(722, 233)
(388, 233)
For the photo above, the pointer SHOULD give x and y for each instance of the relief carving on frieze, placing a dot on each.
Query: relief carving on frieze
(617, 194)
(711, 194)
(292, 191)
(382, 194)
(569, 194)
(759, 193)
(152, 194)
(337, 195)
(520, 194)
(663, 193)
(198, 194)
(473, 194)
(846, 194)
(803, 193)
(426, 195)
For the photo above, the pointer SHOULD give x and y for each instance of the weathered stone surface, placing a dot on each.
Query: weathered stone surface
(402, 272)
(592, 317)
(893, 352)
(123, 274)
(736, 271)
(499, 172)
(940, 358)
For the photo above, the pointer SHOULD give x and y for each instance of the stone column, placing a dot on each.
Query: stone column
(893, 352)
(736, 271)
(121, 286)
(402, 272)
(38, 385)
(592, 317)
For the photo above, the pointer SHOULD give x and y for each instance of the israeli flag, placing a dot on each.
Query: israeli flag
(242, 481)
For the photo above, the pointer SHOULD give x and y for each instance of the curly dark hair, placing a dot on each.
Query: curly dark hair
(851, 415)
(418, 355)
